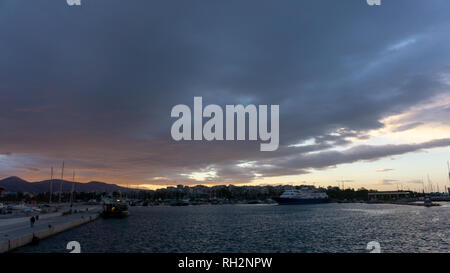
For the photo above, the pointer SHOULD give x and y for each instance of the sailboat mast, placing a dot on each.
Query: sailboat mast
(51, 186)
(73, 188)
(60, 185)
(429, 183)
(448, 166)
(341, 183)
(423, 186)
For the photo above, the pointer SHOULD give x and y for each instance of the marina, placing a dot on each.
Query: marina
(59, 220)
(25, 223)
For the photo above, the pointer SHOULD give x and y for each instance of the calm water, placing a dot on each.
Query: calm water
(263, 228)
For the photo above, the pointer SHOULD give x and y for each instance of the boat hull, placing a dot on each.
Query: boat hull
(118, 214)
(298, 201)
(114, 211)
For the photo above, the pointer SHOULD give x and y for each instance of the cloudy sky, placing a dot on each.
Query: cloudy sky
(363, 91)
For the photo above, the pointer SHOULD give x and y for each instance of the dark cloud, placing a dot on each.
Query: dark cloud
(95, 85)
(408, 126)
(298, 163)
(386, 182)
(436, 113)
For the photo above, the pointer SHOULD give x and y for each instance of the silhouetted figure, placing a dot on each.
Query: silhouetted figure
(37, 217)
(32, 220)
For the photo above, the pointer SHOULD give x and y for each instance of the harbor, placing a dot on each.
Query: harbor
(65, 222)
(26, 219)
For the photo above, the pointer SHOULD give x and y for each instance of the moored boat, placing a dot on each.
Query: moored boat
(114, 209)
(302, 196)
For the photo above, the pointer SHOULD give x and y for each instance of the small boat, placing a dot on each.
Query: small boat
(19, 207)
(114, 209)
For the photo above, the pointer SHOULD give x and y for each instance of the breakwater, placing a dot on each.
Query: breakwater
(20, 233)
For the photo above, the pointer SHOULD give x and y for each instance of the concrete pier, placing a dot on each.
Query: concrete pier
(17, 232)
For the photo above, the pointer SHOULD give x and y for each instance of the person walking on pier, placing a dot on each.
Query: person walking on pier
(32, 220)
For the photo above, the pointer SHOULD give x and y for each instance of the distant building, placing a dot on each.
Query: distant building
(388, 195)
(2, 189)
(9, 193)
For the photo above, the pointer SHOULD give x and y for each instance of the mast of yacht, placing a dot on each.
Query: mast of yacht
(429, 183)
(73, 188)
(51, 186)
(341, 182)
(423, 186)
(448, 189)
(60, 184)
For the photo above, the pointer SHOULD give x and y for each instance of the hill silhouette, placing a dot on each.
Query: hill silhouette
(17, 184)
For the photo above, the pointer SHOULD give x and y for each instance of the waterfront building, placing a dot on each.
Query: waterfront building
(388, 195)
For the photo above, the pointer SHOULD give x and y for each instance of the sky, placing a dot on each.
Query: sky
(363, 90)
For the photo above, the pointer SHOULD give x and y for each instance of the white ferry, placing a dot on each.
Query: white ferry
(304, 195)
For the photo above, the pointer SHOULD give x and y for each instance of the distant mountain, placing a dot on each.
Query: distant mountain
(16, 184)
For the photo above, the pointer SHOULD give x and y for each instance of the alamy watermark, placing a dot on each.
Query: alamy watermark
(213, 129)
(374, 247)
(74, 246)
